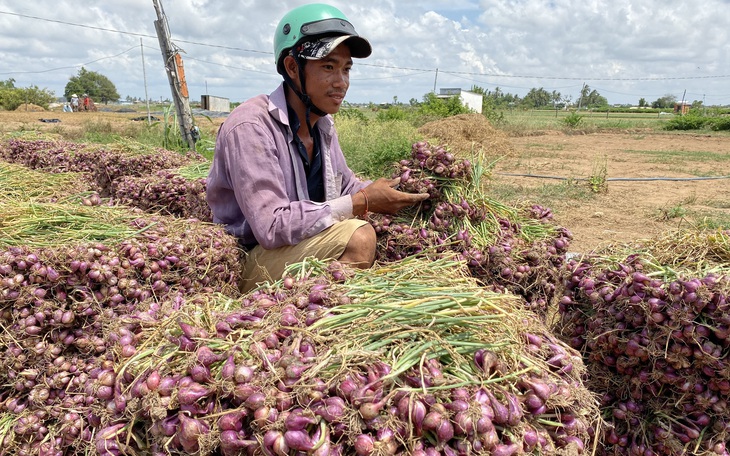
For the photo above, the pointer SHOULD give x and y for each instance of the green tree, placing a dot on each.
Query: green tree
(490, 103)
(351, 112)
(556, 97)
(393, 112)
(667, 101)
(486, 102)
(642, 102)
(591, 98)
(537, 98)
(436, 106)
(11, 97)
(98, 86)
(496, 98)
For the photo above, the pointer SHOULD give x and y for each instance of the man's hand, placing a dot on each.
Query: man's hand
(382, 197)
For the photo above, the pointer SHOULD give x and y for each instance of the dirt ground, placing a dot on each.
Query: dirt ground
(629, 210)
(626, 212)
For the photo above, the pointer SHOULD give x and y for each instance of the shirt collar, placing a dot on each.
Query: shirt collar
(278, 109)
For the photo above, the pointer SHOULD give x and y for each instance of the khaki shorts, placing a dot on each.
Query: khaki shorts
(261, 265)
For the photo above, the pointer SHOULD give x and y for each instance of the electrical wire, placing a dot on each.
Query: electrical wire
(452, 73)
(583, 78)
(123, 32)
(73, 66)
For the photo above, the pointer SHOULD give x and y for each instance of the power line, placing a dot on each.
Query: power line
(143, 35)
(414, 71)
(571, 78)
(432, 70)
(77, 25)
(395, 77)
(70, 66)
(208, 62)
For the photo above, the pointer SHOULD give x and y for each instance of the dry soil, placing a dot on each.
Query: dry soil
(629, 210)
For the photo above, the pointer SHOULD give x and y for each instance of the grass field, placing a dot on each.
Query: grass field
(516, 120)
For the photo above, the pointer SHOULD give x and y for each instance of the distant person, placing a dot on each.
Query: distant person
(75, 103)
(87, 102)
(279, 180)
(67, 107)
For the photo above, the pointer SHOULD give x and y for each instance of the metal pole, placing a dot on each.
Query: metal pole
(144, 75)
(580, 100)
(681, 107)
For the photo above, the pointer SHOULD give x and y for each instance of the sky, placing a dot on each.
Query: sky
(624, 49)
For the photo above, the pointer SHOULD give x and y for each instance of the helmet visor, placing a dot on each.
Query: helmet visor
(332, 26)
(320, 48)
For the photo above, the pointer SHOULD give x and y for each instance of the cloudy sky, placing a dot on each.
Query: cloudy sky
(624, 49)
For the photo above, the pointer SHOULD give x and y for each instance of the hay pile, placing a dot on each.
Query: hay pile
(469, 135)
(30, 107)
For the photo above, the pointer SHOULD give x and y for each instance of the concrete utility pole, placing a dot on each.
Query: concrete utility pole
(144, 74)
(176, 76)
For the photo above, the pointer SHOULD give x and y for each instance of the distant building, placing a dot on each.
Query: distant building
(471, 100)
(217, 104)
(682, 107)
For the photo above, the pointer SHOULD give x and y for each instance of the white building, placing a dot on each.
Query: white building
(217, 104)
(471, 100)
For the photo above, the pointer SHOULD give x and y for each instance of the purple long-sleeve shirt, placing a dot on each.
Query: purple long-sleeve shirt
(257, 185)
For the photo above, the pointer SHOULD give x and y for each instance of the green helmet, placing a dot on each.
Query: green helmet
(315, 20)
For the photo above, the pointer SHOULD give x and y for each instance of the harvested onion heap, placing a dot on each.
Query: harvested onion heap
(410, 358)
(506, 248)
(179, 192)
(654, 327)
(66, 270)
(104, 164)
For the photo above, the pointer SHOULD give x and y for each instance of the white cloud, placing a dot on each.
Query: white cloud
(626, 49)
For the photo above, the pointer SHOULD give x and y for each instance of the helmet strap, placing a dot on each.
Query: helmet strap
(302, 94)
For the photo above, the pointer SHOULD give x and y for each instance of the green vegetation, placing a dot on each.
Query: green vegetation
(417, 113)
(435, 107)
(591, 98)
(572, 120)
(372, 143)
(522, 122)
(683, 160)
(671, 213)
(713, 220)
(371, 147)
(696, 119)
(96, 85)
(548, 195)
(702, 218)
(11, 97)
(373, 138)
(598, 179)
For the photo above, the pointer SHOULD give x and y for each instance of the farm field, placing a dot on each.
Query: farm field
(628, 209)
(580, 351)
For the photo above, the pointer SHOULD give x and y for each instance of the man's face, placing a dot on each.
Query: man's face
(328, 79)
